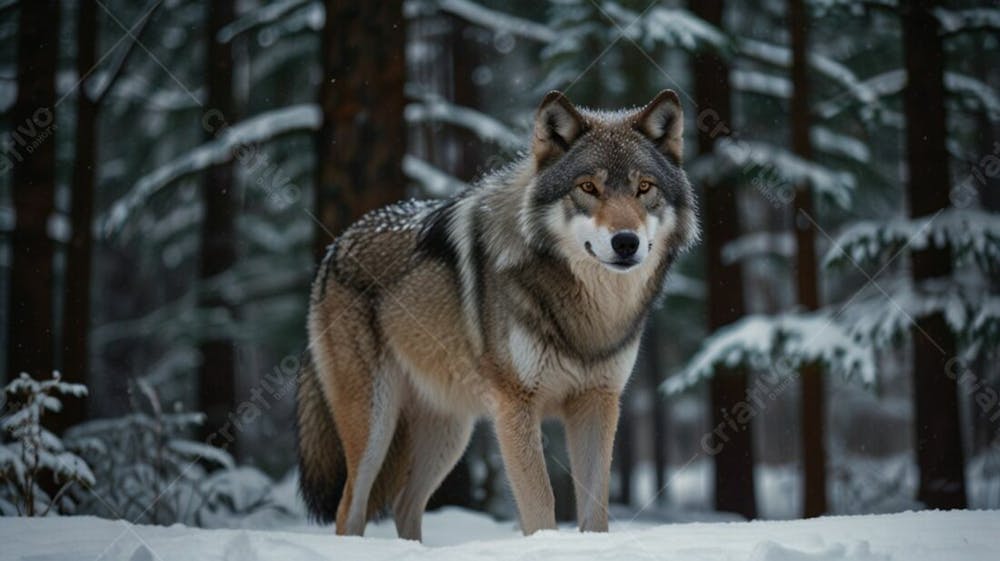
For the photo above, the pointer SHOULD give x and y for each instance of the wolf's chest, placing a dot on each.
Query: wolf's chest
(548, 369)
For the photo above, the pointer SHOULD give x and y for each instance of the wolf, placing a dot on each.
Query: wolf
(522, 298)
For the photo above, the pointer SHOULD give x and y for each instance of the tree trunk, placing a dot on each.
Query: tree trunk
(76, 307)
(31, 158)
(734, 467)
(465, 58)
(216, 373)
(940, 456)
(362, 141)
(811, 374)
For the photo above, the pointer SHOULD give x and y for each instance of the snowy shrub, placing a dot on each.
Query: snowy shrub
(148, 470)
(32, 459)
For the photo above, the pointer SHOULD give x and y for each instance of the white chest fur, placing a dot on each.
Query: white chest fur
(552, 373)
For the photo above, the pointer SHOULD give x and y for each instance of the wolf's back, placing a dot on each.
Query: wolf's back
(377, 249)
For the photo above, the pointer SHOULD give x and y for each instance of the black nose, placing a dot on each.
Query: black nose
(625, 244)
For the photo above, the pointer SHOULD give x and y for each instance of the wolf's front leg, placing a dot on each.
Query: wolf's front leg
(591, 419)
(519, 430)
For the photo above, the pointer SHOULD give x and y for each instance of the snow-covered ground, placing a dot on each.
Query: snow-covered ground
(459, 535)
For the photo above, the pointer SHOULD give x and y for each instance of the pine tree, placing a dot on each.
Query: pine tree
(940, 455)
(361, 142)
(812, 404)
(76, 317)
(734, 463)
(30, 333)
(217, 370)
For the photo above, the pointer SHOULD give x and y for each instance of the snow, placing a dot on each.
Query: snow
(436, 108)
(970, 232)
(761, 83)
(498, 21)
(684, 286)
(844, 76)
(766, 161)
(256, 129)
(453, 534)
(433, 181)
(780, 56)
(266, 14)
(770, 53)
(759, 244)
(671, 27)
(970, 90)
(838, 144)
(956, 21)
(780, 343)
(975, 91)
(889, 310)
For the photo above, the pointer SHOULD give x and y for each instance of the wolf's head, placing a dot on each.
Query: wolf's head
(608, 185)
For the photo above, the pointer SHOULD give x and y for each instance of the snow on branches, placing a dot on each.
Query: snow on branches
(972, 234)
(150, 471)
(238, 141)
(30, 454)
(774, 170)
(782, 343)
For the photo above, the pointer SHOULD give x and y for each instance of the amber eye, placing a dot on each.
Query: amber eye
(588, 187)
(645, 186)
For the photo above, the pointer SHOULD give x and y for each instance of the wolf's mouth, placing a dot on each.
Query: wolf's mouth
(619, 265)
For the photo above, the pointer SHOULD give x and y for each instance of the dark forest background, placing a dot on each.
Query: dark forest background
(171, 171)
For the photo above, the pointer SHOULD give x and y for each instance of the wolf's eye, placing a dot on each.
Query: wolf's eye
(645, 186)
(588, 187)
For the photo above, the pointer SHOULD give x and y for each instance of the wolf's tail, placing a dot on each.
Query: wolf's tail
(322, 466)
(322, 471)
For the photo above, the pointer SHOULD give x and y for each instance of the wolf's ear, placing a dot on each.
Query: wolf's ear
(557, 125)
(662, 121)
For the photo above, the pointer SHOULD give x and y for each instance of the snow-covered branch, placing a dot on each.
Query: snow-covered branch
(260, 128)
(891, 307)
(670, 27)
(969, 232)
(498, 21)
(775, 170)
(841, 145)
(782, 342)
(267, 14)
(838, 73)
(891, 83)
(109, 78)
(435, 108)
(433, 181)
(971, 19)
(757, 244)
(752, 81)
(31, 454)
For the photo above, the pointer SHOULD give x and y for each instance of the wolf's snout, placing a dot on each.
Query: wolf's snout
(625, 244)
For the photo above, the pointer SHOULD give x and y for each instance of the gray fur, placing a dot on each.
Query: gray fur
(513, 311)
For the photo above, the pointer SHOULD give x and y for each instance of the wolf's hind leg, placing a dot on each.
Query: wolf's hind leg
(366, 455)
(436, 443)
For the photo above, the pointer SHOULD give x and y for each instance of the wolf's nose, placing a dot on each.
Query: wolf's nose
(625, 244)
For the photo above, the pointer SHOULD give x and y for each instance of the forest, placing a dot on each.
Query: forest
(172, 172)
